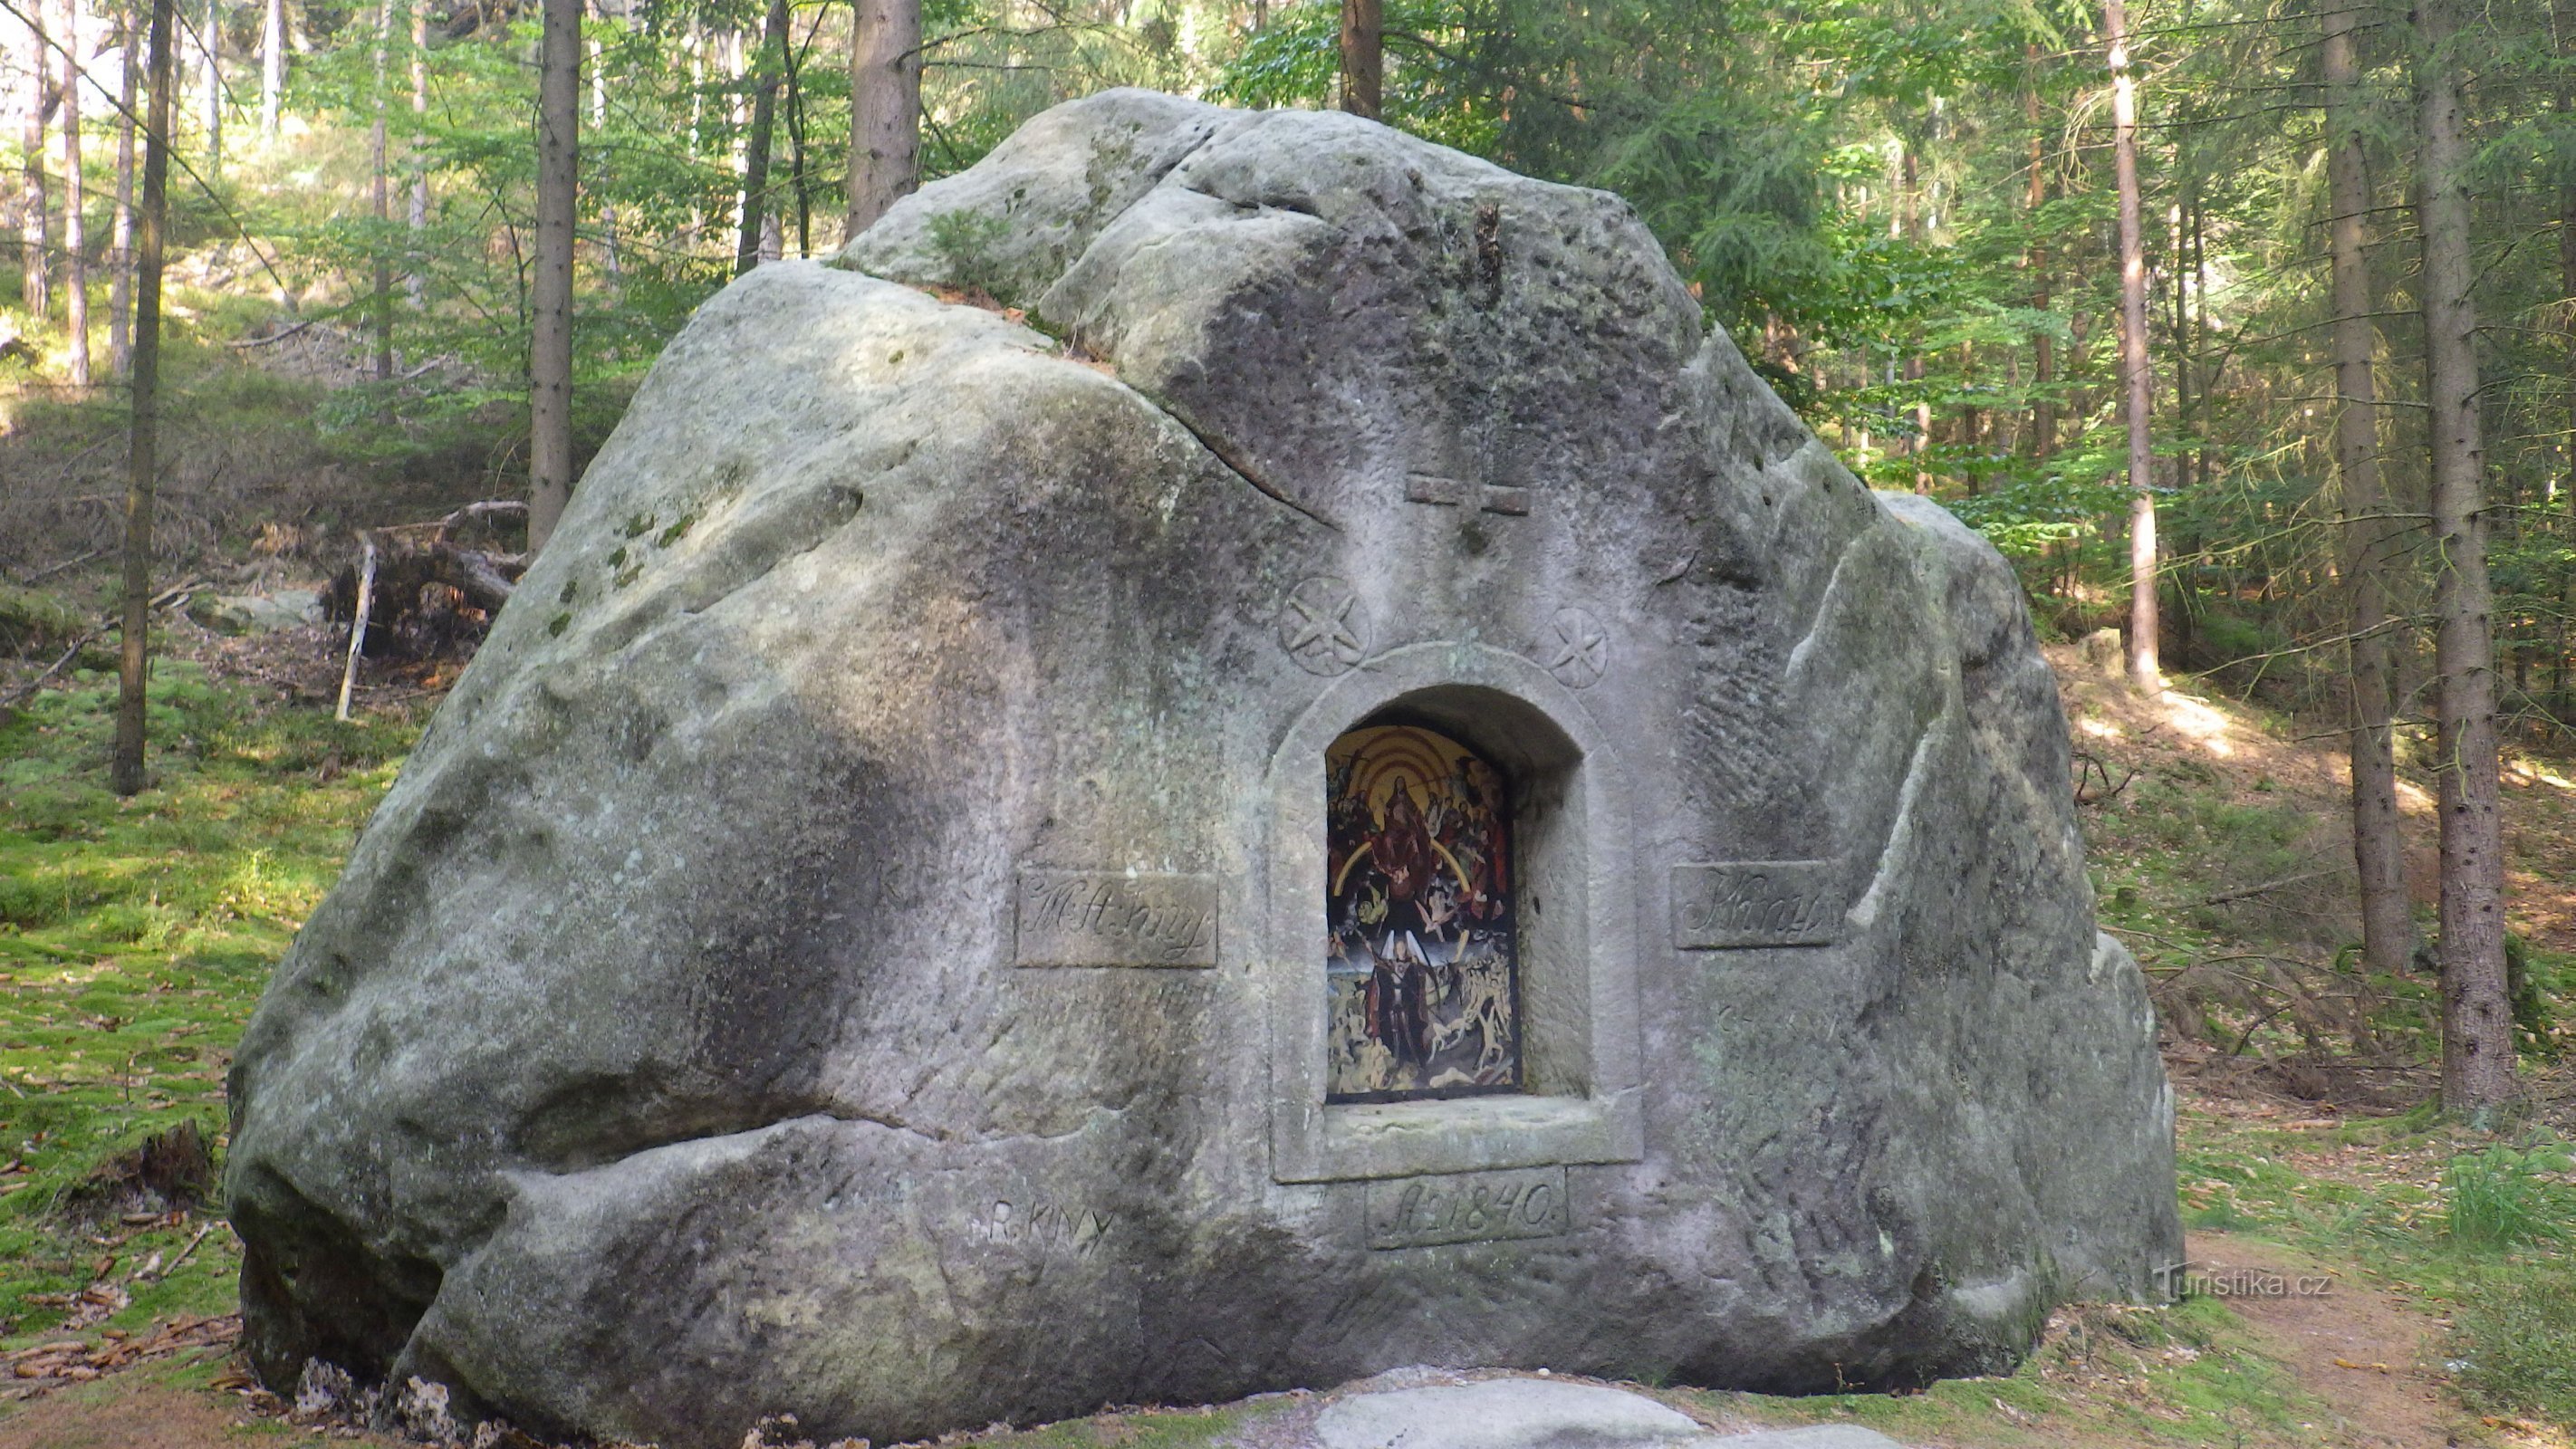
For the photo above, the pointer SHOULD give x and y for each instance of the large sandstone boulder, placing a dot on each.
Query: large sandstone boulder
(855, 943)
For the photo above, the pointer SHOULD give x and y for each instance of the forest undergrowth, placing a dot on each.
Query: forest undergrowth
(135, 937)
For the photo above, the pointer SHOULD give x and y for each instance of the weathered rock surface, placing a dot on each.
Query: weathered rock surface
(257, 613)
(665, 1058)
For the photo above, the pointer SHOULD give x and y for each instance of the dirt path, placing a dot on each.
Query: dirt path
(142, 1409)
(2368, 1356)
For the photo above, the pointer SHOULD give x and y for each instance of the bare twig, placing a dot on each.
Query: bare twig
(173, 1265)
(439, 361)
(2087, 765)
(2258, 1024)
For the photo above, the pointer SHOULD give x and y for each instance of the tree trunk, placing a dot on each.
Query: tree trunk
(1909, 209)
(75, 225)
(2477, 1027)
(211, 43)
(550, 341)
(383, 268)
(2563, 21)
(885, 107)
(2043, 345)
(768, 68)
(2186, 351)
(272, 66)
(120, 241)
(737, 73)
(35, 221)
(1363, 58)
(2144, 669)
(125, 768)
(693, 40)
(415, 282)
(2379, 857)
(598, 73)
(796, 172)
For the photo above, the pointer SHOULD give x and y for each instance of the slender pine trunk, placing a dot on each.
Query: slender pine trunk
(2477, 1026)
(75, 199)
(737, 71)
(767, 70)
(210, 41)
(885, 108)
(693, 40)
(2562, 17)
(125, 767)
(2369, 539)
(272, 66)
(383, 267)
(35, 226)
(120, 242)
(2043, 344)
(415, 283)
(550, 342)
(1363, 58)
(2145, 671)
(1909, 208)
(796, 172)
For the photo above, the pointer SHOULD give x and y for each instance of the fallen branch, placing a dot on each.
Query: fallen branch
(173, 1265)
(477, 576)
(358, 624)
(50, 570)
(276, 336)
(2223, 897)
(27, 691)
(483, 513)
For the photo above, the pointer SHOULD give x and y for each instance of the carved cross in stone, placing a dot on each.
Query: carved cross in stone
(1464, 494)
(1321, 627)
(1580, 652)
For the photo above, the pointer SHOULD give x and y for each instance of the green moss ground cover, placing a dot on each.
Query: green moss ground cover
(135, 936)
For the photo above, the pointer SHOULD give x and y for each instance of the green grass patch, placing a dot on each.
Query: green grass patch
(2501, 1197)
(2457, 1224)
(1140, 1429)
(135, 937)
(2514, 1332)
(2186, 1374)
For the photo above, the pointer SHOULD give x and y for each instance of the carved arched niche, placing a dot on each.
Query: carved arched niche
(1570, 1095)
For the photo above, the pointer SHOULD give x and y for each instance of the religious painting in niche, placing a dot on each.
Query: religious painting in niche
(1422, 965)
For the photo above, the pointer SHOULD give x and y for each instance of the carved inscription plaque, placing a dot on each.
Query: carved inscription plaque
(1111, 918)
(1737, 904)
(1467, 1207)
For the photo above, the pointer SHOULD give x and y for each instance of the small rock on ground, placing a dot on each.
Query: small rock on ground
(1538, 1414)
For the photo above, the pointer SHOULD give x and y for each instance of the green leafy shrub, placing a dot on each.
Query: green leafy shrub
(968, 244)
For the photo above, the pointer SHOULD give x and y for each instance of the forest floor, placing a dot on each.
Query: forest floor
(2373, 1277)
